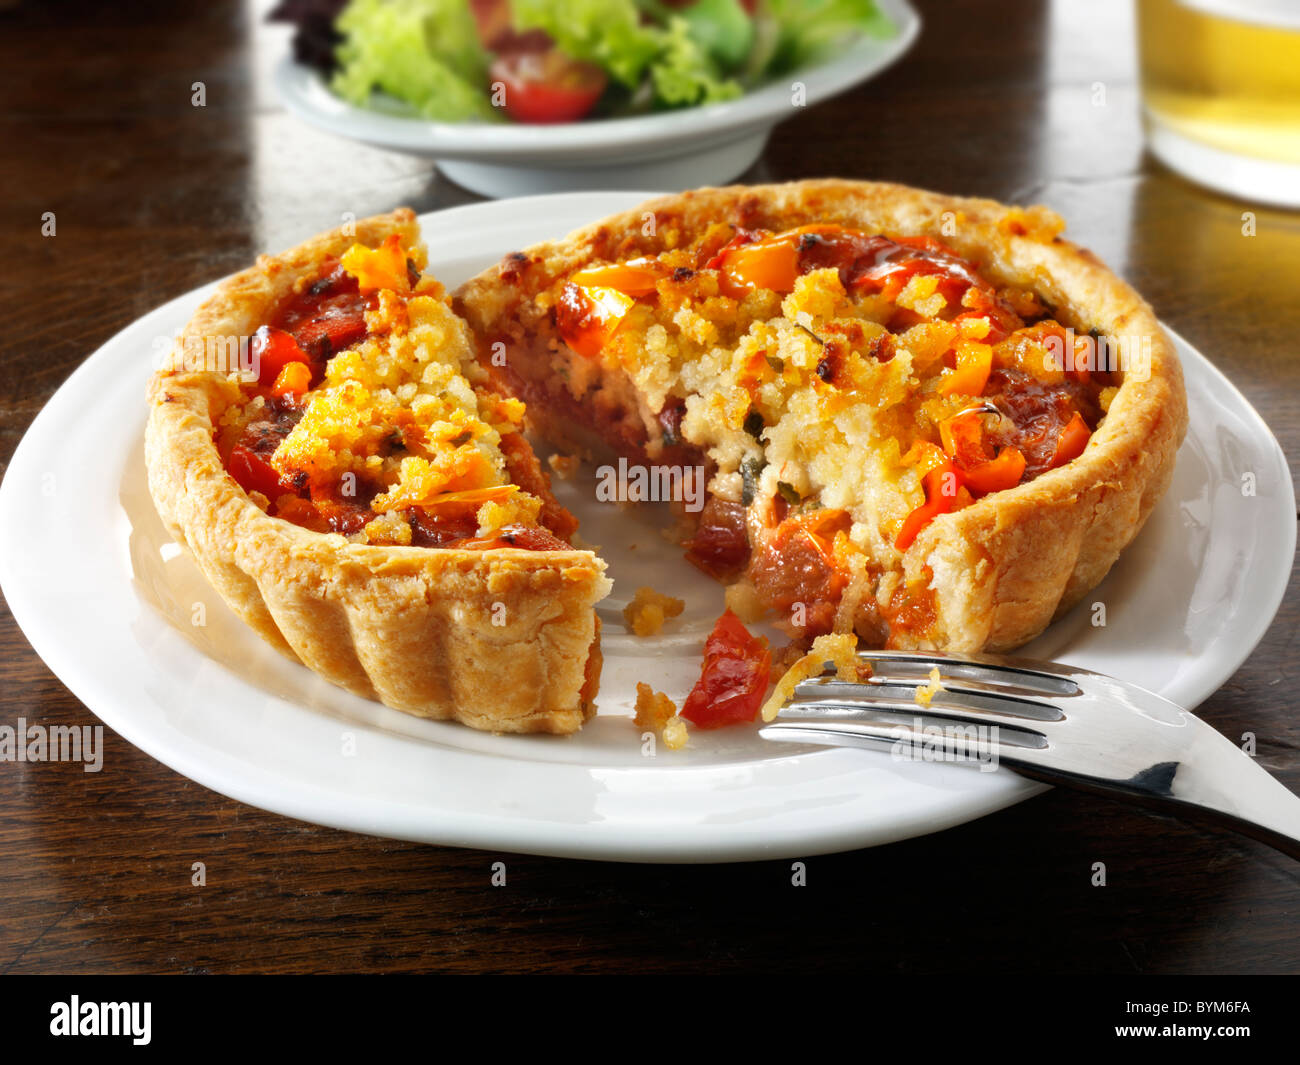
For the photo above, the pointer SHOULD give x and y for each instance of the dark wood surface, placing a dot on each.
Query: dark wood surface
(154, 196)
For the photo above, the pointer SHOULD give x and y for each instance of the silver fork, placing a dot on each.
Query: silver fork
(1052, 722)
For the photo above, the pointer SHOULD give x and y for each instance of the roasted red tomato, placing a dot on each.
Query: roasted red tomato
(327, 316)
(720, 546)
(253, 472)
(547, 87)
(733, 681)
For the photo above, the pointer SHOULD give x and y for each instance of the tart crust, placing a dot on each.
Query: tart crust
(1001, 569)
(501, 639)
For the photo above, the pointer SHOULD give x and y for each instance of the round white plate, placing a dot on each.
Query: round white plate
(671, 150)
(112, 606)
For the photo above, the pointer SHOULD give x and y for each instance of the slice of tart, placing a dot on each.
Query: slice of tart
(324, 442)
(931, 422)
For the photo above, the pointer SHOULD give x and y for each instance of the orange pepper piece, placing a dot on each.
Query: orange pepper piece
(1073, 439)
(588, 317)
(963, 437)
(381, 267)
(473, 495)
(971, 374)
(294, 379)
(772, 263)
(997, 474)
(637, 277)
(926, 455)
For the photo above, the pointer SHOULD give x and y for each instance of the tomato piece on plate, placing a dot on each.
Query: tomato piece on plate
(734, 678)
(963, 437)
(339, 325)
(547, 87)
(597, 299)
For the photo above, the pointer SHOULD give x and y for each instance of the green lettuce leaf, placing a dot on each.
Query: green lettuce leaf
(683, 74)
(425, 52)
(720, 27)
(807, 29)
(605, 32)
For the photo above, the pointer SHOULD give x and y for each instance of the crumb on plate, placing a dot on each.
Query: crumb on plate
(565, 467)
(654, 710)
(648, 611)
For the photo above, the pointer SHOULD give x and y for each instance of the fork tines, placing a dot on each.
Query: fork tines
(977, 704)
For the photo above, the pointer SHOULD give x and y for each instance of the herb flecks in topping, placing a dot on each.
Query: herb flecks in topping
(810, 333)
(751, 469)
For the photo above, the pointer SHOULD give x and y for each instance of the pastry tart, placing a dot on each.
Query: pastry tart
(922, 422)
(324, 443)
(932, 422)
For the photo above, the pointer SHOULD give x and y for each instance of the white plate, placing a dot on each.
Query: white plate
(671, 150)
(108, 601)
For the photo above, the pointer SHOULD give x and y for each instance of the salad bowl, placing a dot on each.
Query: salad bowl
(704, 145)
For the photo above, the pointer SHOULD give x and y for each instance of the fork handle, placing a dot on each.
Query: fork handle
(1214, 782)
(1161, 790)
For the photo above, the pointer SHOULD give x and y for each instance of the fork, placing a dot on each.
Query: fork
(1052, 722)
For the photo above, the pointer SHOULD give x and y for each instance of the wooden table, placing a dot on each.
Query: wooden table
(154, 196)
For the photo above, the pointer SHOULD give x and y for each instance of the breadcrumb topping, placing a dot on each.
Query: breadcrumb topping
(891, 383)
(395, 425)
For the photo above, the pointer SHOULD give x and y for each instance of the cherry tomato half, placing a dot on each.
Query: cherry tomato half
(547, 87)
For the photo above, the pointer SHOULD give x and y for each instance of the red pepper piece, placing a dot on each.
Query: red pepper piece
(273, 349)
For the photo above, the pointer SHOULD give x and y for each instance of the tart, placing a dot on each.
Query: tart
(928, 421)
(323, 441)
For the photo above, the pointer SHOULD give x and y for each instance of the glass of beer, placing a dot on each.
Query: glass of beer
(1221, 93)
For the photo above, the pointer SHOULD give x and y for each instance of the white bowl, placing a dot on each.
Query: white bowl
(705, 145)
